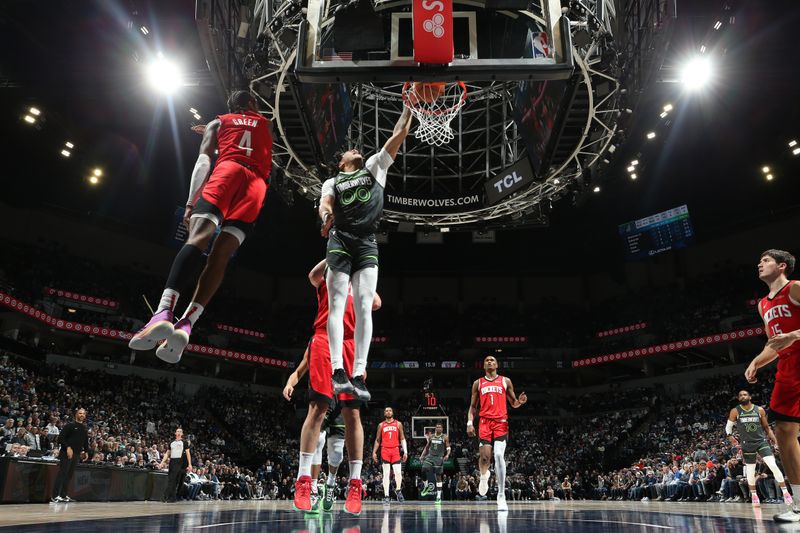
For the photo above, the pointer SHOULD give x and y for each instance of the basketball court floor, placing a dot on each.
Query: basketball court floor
(455, 517)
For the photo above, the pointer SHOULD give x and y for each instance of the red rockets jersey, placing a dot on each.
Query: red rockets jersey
(781, 315)
(246, 138)
(492, 398)
(390, 434)
(321, 322)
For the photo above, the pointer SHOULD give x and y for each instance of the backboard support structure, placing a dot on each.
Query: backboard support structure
(311, 65)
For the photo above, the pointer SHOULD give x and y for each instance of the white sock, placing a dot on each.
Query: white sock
(355, 469)
(398, 475)
(168, 300)
(365, 281)
(438, 489)
(338, 284)
(305, 464)
(193, 312)
(331, 481)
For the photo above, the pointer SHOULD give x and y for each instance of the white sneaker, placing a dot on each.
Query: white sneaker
(645, 499)
(501, 504)
(790, 516)
(483, 486)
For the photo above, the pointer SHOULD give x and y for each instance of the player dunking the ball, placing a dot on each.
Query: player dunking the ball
(351, 208)
(492, 391)
(390, 438)
(780, 311)
(231, 197)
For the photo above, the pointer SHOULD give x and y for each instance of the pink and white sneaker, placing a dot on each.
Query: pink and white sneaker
(754, 499)
(156, 330)
(787, 498)
(172, 350)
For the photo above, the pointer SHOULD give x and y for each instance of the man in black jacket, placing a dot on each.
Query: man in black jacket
(180, 462)
(74, 439)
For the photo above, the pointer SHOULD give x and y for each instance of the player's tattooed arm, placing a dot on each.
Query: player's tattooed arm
(399, 134)
(473, 406)
(512, 397)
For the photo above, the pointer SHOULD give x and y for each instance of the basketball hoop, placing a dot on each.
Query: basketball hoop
(435, 108)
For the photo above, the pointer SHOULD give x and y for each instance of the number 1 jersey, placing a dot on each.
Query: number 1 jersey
(492, 396)
(246, 139)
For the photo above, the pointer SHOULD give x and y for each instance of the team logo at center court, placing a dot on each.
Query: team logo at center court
(435, 25)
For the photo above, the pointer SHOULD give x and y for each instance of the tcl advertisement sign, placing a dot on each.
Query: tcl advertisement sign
(433, 31)
(510, 180)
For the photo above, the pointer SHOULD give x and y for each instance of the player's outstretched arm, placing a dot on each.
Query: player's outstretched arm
(399, 134)
(512, 397)
(317, 274)
(473, 408)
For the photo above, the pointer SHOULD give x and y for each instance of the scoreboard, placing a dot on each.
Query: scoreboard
(668, 230)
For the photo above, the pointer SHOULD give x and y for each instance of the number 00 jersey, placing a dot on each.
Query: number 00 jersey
(245, 138)
(782, 315)
(492, 397)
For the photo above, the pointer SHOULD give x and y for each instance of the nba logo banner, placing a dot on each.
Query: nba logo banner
(433, 31)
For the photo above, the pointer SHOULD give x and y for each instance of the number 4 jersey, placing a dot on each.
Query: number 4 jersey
(246, 139)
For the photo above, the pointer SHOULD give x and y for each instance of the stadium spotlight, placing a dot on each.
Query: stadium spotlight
(164, 76)
(631, 168)
(792, 143)
(97, 172)
(696, 73)
(668, 108)
(29, 119)
(69, 145)
(34, 111)
(765, 169)
(556, 181)
(651, 135)
(634, 162)
(796, 151)
(633, 176)
(596, 188)
(65, 152)
(718, 25)
(769, 177)
(94, 180)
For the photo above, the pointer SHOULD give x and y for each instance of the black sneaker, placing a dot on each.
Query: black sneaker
(341, 384)
(360, 387)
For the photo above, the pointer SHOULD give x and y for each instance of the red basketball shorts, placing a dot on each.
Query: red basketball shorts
(390, 455)
(236, 191)
(785, 400)
(320, 383)
(492, 429)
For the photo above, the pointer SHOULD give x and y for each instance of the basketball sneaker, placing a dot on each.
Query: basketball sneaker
(483, 485)
(790, 516)
(438, 500)
(328, 497)
(158, 328)
(427, 489)
(501, 503)
(360, 388)
(352, 505)
(754, 499)
(172, 350)
(302, 494)
(341, 385)
(400, 497)
(314, 500)
(787, 498)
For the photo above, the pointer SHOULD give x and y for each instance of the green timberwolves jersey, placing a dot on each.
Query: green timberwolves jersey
(436, 447)
(748, 424)
(358, 207)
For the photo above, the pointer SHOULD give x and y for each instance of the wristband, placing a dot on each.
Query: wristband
(469, 423)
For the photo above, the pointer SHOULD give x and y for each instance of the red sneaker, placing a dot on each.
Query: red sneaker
(353, 504)
(302, 494)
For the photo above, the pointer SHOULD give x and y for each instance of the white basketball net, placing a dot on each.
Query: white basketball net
(434, 117)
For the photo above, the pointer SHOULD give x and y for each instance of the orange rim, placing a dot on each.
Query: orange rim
(458, 104)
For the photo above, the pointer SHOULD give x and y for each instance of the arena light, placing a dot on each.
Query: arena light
(197, 116)
(144, 30)
(792, 143)
(631, 168)
(596, 188)
(66, 153)
(770, 177)
(164, 76)
(765, 169)
(192, 110)
(633, 176)
(663, 115)
(94, 180)
(34, 111)
(703, 49)
(718, 25)
(29, 119)
(668, 108)
(69, 145)
(651, 135)
(796, 151)
(634, 162)
(97, 172)
(556, 181)
(696, 73)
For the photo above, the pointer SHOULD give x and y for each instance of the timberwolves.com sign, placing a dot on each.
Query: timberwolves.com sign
(457, 204)
(510, 180)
